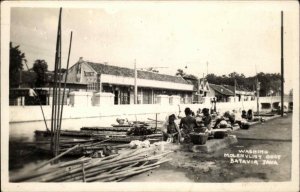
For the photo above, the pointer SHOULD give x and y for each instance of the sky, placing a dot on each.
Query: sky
(199, 37)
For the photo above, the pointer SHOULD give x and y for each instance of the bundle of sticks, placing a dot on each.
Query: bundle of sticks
(115, 167)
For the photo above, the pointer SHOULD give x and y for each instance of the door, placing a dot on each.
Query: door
(116, 98)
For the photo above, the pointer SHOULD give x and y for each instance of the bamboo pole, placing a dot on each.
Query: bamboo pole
(67, 70)
(75, 172)
(282, 67)
(100, 167)
(41, 174)
(94, 144)
(77, 161)
(83, 173)
(76, 177)
(59, 102)
(57, 157)
(126, 167)
(119, 178)
(38, 98)
(125, 173)
(91, 169)
(54, 99)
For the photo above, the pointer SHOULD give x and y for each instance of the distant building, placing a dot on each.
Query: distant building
(21, 96)
(119, 81)
(241, 93)
(221, 93)
(228, 93)
(201, 88)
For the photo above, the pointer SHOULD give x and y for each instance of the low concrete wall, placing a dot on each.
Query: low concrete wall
(33, 113)
(80, 98)
(101, 99)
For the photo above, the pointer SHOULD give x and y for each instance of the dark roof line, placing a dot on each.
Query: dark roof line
(221, 89)
(127, 72)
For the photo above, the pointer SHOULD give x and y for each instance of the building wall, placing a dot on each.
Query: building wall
(88, 75)
(79, 71)
(211, 93)
(120, 80)
(82, 73)
(72, 74)
(123, 86)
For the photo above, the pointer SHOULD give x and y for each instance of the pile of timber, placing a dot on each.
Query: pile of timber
(121, 125)
(115, 167)
(70, 133)
(86, 147)
(100, 129)
(127, 138)
(116, 133)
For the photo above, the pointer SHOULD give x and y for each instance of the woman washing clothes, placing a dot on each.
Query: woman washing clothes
(171, 133)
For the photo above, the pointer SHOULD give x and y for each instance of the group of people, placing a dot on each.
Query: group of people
(187, 125)
(229, 119)
(203, 120)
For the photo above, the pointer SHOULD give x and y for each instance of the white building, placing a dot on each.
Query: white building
(120, 82)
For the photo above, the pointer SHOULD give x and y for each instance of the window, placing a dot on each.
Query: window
(265, 105)
(88, 74)
(124, 97)
(92, 86)
(147, 97)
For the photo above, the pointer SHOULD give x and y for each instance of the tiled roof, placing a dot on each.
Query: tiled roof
(127, 72)
(221, 89)
(238, 88)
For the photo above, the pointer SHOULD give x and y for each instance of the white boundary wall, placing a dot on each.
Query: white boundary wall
(33, 113)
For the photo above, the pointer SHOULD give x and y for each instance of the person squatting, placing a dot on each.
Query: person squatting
(188, 124)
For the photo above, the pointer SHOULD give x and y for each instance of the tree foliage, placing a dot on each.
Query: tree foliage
(152, 69)
(40, 67)
(180, 72)
(16, 58)
(269, 82)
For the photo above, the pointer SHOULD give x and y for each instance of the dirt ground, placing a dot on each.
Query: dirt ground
(273, 136)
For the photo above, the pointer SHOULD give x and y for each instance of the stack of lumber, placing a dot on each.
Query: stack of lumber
(115, 167)
(69, 133)
(84, 148)
(99, 129)
(127, 138)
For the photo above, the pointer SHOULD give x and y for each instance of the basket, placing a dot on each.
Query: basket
(198, 138)
(220, 134)
(200, 129)
(245, 126)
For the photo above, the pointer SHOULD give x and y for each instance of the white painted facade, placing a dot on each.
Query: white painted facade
(122, 86)
(119, 80)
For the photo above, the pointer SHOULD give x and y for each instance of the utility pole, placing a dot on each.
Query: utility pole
(257, 94)
(135, 79)
(20, 78)
(206, 68)
(282, 69)
(234, 89)
(135, 82)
